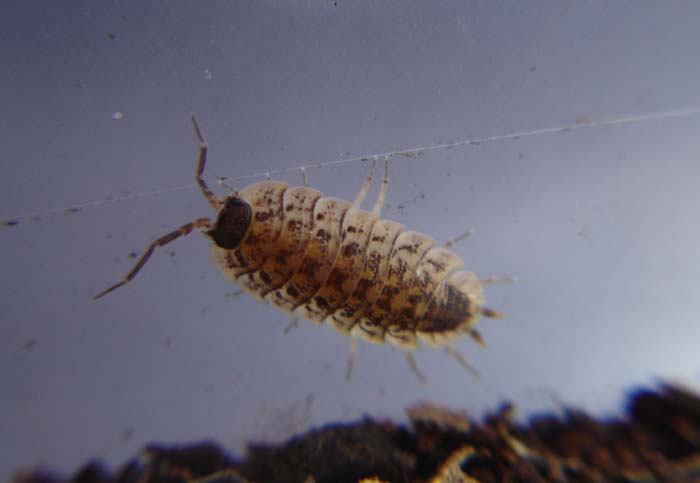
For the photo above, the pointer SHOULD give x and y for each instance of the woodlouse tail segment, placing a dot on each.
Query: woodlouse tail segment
(491, 313)
(201, 223)
(206, 191)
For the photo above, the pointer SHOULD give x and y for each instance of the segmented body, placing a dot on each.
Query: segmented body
(334, 263)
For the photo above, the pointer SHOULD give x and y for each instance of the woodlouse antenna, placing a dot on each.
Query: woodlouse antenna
(206, 191)
(185, 229)
(164, 240)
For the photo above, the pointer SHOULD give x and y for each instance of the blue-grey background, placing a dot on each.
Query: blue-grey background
(599, 224)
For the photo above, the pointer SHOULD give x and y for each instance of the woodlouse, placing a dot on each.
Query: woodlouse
(332, 262)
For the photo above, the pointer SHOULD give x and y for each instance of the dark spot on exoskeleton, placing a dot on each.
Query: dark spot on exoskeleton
(281, 257)
(265, 277)
(240, 259)
(350, 250)
(323, 235)
(400, 269)
(312, 267)
(232, 223)
(320, 216)
(413, 299)
(373, 262)
(294, 225)
(338, 280)
(439, 266)
(412, 248)
(263, 216)
(292, 291)
(378, 239)
(253, 239)
(405, 314)
(321, 302)
(289, 207)
(351, 229)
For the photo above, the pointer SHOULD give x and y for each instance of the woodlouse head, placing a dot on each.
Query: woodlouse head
(232, 223)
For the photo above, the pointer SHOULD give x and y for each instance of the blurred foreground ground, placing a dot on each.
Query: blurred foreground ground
(657, 440)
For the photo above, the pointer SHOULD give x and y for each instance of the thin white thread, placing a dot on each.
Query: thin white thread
(415, 150)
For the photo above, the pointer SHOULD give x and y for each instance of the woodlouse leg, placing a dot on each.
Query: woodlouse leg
(351, 358)
(292, 325)
(414, 367)
(450, 243)
(164, 240)
(381, 198)
(206, 191)
(303, 177)
(365, 186)
(450, 349)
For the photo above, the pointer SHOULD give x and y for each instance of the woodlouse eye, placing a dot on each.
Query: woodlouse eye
(232, 223)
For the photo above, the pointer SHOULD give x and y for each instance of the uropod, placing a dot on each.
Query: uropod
(333, 263)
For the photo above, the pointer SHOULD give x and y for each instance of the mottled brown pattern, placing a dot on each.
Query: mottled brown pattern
(453, 308)
(348, 265)
(319, 257)
(296, 219)
(330, 262)
(433, 269)
(371, 281)
(409, 248)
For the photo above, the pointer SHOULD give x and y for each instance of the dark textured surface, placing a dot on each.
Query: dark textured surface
(659, 440)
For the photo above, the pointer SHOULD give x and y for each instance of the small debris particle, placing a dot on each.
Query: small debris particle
(10, 222)
(207, 75)
(117, 115)
(126, 435)
(68, 211)
(29, 344)
(133, 255)
(111, 35)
